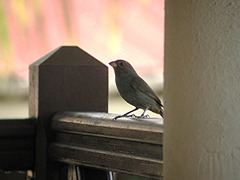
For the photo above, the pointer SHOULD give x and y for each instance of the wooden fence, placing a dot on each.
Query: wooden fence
(69, 128)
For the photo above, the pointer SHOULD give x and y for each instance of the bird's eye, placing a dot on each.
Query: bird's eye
(121, 64)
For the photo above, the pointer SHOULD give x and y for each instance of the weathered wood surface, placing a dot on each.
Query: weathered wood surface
(128, 145)
(17, 141)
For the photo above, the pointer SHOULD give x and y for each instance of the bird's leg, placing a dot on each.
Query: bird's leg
(142, 115)
(126, 114)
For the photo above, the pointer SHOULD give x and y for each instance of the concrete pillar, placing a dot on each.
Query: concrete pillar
(202, 90)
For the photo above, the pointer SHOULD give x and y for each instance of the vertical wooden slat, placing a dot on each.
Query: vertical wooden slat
(66, 79)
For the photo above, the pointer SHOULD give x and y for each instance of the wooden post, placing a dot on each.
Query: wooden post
(66, 79)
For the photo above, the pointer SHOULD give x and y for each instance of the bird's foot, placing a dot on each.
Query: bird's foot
(140, 117)
(132, 115)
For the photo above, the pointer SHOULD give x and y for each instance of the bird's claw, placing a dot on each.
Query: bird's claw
(114, 119)
(142, 117)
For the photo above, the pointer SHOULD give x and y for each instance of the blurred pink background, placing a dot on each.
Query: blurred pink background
(107, 29)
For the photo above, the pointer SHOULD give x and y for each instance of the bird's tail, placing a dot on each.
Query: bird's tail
(158, 110)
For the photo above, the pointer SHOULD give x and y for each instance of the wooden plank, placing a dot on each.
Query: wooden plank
(125, 146)
(17, 127)
(128, 145)
(117, 162)
(21, 159)
(144, 130)
(17, 142)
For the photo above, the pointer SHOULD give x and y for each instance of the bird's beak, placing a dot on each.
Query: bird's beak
(113, 64)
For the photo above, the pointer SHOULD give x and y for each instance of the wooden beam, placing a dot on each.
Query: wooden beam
(128, 145)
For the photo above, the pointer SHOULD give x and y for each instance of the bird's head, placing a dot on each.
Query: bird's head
(122, 67)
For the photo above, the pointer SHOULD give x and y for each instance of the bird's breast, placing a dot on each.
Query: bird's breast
(132, 96)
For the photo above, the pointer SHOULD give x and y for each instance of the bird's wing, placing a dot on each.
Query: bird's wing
(140, 85)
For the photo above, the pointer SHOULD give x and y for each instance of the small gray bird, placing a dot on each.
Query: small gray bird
(135, 90)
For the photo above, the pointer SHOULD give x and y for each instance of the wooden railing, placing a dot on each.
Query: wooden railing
(69, 126)
(17, 142)
(92, 139)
